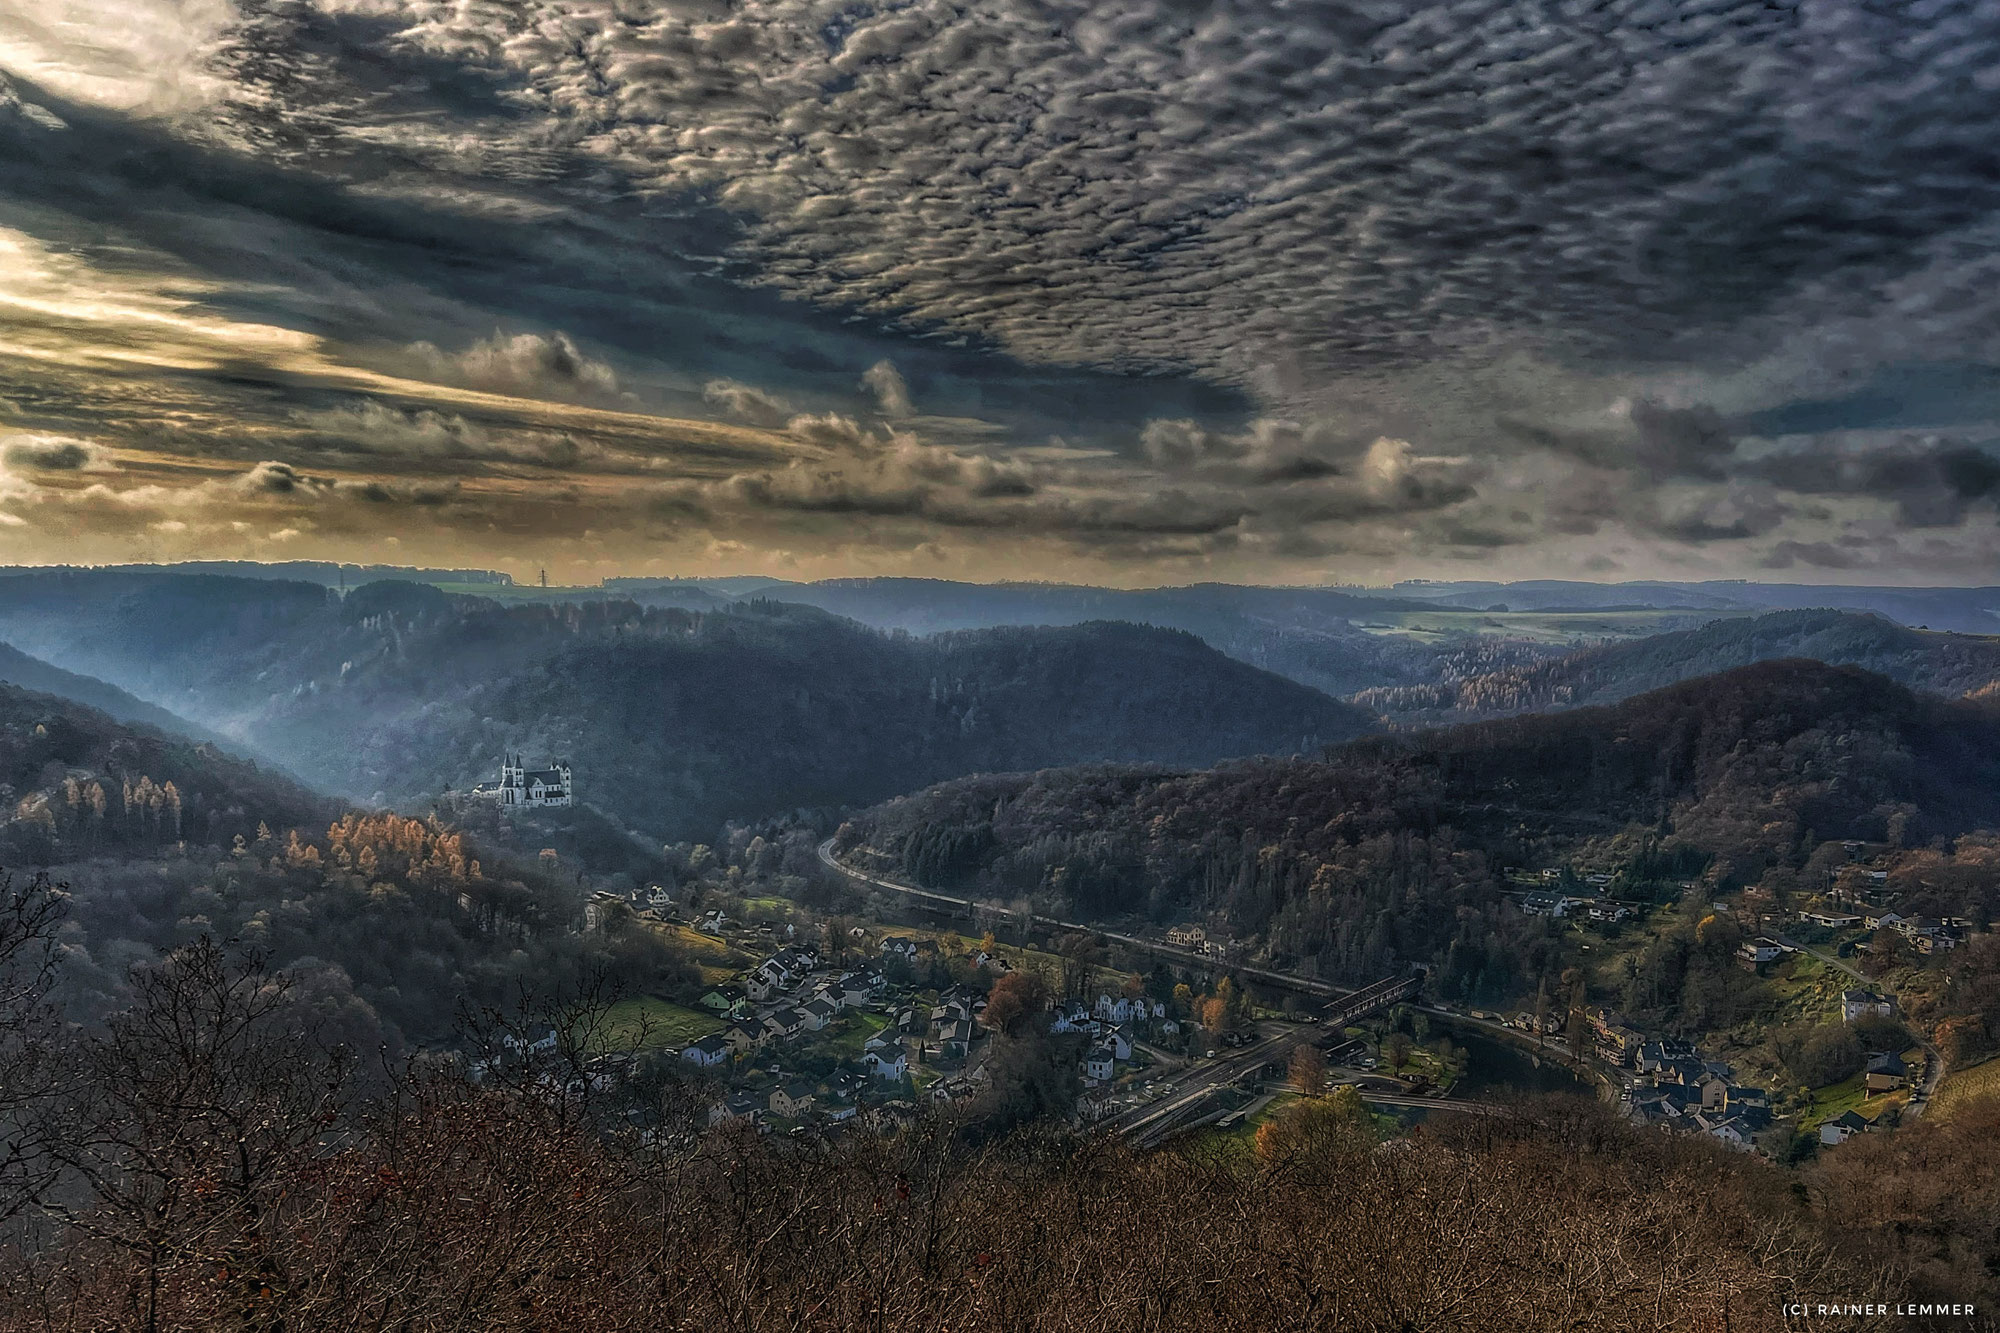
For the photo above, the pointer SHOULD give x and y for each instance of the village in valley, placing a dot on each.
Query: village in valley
(835, 1022)
(818, 1021)
(1824, 959)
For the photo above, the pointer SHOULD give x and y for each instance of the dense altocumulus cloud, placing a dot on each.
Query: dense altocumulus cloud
(1151, 289)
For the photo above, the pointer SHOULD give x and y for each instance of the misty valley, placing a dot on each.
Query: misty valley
(934, 933)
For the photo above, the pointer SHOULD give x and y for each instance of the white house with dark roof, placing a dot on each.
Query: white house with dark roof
(736, 1106)
(1100, 1064)
(887, 1062)
(1843, 1127)
(1864, 1004)
(785, 1024)
(707, 1053)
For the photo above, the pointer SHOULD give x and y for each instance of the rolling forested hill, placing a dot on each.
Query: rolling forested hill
(1391, 849)
(390, 924)
(675, 720)
(1950, 664)
(29, 673)
(77, 782)
(678, 721)
(1310, 635)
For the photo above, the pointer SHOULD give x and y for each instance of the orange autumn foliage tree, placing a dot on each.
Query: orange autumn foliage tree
(419, 851)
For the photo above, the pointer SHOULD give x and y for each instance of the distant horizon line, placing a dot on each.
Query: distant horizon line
(502, 578)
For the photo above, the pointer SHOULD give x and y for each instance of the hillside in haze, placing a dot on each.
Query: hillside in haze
(30, 673)
(678, 721)
(1390, 850)
(1311, 635)
(675, 720)
(1949, 664)
(390, 924)
(78, 783)
(1962, 610)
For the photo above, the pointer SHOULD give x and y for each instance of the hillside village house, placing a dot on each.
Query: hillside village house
(737, 1106)
(724, 1000)
(955, 1039)
(887, 1062)
(1617, 1040)
(1732, 1130)
(1754, 954)
(1072, 1017)
(1864, 1004)
(1124, 1009)
(1842, 1128)
(707, 1053)
(1886, 1072)
(1100, 1064)
(793, 1099)
(541, 1045)
(785, 1024)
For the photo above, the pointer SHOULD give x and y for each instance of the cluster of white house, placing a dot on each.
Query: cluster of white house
(789, 996)
(812, 1000)
(1562, 905)
(1678, 1088)
(1113, 1024)
(1698, 1096)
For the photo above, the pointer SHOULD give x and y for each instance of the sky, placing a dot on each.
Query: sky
(1126, 292)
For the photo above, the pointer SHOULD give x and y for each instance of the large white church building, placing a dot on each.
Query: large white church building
(521, 785)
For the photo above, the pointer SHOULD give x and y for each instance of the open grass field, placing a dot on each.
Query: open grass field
(646, 1022)
(1039, 960)
(706, 950)
(1964, 1086)
(859, 1028)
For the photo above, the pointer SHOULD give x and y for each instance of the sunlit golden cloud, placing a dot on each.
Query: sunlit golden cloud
(1010, 291)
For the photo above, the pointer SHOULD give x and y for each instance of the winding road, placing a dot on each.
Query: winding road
(1933, 1062)
(1193, 1084)
(1310, 985)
